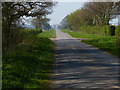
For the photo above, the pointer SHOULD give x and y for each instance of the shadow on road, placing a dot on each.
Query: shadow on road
(82, 66)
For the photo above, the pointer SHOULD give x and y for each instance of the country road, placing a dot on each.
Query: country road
(79, 65)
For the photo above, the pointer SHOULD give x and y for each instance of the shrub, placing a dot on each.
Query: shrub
(111, 30)
(99, 30)
(35, 31)
(94, 30)
(10, 40)
(118, 34)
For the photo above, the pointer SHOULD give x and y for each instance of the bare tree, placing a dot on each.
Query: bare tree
(102, 12)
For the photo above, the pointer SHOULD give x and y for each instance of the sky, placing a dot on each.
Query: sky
(63, 9)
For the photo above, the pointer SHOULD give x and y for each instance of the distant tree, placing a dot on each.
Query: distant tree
(40, 22)
(64, 23)
(36, 22)
(46, 26)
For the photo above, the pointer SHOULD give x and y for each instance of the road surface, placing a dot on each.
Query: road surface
(79, 65)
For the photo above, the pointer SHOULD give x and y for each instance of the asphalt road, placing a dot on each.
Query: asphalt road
(79, 65)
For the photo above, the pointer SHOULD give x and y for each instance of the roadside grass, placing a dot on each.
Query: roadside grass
(78, 34)
(48, 34)
(106, 43)
(30, 64)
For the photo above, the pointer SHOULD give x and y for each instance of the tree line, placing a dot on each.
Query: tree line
(94, 18)
(94, 13)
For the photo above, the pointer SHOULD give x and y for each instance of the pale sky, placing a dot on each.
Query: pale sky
(63, 9)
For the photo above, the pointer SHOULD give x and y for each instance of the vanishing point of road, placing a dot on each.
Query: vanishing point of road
(79, 65)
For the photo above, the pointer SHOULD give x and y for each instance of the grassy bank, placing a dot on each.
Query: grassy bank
(78, 34)
(48, 34)
(107, 43)
(30, 64)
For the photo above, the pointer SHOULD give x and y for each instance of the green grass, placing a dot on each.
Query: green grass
(78, 34)
(48, 34)
(107, 43)
(30, 64)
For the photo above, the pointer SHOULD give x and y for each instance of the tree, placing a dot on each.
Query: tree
(64, 23)
(46, 26)
(13, 11)
(40, 22)
(94, 13)
(74, 19)
(102, 12)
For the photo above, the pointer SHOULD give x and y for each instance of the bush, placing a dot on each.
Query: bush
(10, 40)
(15, 36)
(118, 34)
(35, 31)
(99, 30)
(94, 30)
(111, 30)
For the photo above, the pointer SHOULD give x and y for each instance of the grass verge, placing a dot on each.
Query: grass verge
(78, 34)
(106, 43)
(48, 34)
(30, 64)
